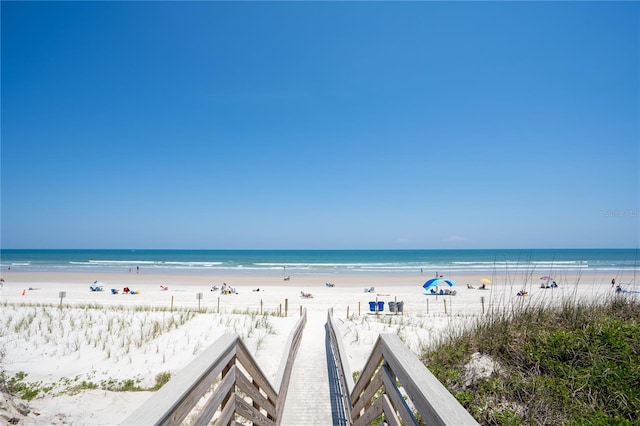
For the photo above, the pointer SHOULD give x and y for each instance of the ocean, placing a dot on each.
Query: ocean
(261, 262)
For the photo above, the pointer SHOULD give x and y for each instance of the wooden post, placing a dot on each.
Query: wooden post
(171, 303)
(358, 308)
(280, 310)
(395, 300)
(257, 386)
(218, 304)
(347, 312)
(225, 371)
(445, 306)
(427, 306)
(482, 301)
(376, 305)
(300, 310)
(260, 306)
(286, 307)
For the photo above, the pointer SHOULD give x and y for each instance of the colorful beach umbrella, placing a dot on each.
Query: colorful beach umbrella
(485, 281)
(435, 281)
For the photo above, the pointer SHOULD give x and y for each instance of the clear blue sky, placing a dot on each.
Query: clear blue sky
(320, 125)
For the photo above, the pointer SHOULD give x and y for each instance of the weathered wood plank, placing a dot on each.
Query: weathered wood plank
(228, 411)
(432, 400)
(396, 398)
(283, 376)
(254, 393)
(367, 394)
(244, 409)
(173, 402)
(345, 375)
(375, 410)
(374, 360)
(214, 402)
(251, 366)
(390, 417)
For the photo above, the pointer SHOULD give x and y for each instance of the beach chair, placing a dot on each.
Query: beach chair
(380, 306)
(369, 289)
(372, 306)
(114, 291)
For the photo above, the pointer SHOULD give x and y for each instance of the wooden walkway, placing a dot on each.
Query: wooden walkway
(313, 397)
(313, 385)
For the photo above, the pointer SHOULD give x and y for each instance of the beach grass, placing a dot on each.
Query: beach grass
(121, 336)
(577, 363)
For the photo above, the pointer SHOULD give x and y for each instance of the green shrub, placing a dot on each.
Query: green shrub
(576, 364)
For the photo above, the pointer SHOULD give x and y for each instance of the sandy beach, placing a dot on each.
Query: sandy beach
(106, 339)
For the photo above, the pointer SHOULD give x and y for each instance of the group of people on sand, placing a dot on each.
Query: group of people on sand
(482, 287)
(618, 288)
(125, 290)
(225, 289)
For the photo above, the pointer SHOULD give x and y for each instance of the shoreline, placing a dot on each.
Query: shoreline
(346, 277)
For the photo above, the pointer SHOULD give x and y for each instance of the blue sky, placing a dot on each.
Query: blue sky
(320, 125)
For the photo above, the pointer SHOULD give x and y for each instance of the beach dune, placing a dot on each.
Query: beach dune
(78, 344)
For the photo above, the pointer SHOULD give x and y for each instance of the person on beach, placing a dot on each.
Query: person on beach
(613, 282)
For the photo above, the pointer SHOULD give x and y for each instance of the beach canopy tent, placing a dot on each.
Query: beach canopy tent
(437, 281)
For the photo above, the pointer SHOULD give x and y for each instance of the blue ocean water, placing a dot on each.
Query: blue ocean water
(324, 261)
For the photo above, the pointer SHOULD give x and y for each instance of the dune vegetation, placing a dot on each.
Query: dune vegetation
(578, 363)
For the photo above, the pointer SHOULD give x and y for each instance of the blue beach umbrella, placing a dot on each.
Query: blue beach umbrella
(435, 281)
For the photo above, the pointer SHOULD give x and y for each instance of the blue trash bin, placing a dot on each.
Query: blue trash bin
(372, 306)
(380, 306)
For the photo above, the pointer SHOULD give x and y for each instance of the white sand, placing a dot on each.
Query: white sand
(61, 348)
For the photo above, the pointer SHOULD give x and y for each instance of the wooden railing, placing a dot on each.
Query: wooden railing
(232, 382)
(396, 385)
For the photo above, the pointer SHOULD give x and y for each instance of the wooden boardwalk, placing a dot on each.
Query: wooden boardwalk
(313, 397)
(313, 385)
